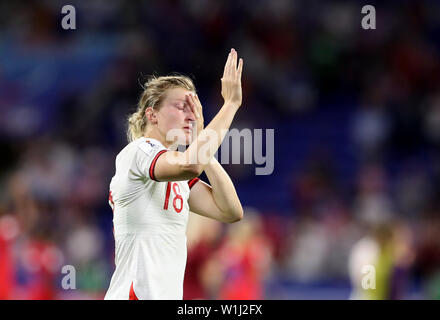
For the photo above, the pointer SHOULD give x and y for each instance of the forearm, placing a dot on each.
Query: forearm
(223, 190)
(204, 147)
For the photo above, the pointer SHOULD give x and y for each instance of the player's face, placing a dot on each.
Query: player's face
(175, 118)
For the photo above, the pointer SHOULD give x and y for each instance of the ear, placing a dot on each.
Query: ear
(150, 113)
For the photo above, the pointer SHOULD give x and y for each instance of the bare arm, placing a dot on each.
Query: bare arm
(218, 201)
(187, 165)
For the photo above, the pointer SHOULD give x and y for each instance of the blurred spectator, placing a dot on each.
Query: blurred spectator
(371, 125)
(307, 258)
(241, 265)
(311, 72)
(8, 233)
(387, 248)
(427, 261)
(204, 239)
(372, 203)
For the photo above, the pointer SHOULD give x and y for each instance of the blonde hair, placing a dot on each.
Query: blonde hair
(152, 96)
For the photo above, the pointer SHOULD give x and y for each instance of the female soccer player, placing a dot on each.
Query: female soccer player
(153, 189)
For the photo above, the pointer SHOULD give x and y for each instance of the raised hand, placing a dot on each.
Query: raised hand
(196, 107)
(231, 80)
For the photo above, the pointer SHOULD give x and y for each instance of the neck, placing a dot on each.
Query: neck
(153, 133)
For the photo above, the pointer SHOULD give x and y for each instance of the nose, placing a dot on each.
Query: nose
(189, 114)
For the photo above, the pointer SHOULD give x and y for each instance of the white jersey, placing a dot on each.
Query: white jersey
(150, 220)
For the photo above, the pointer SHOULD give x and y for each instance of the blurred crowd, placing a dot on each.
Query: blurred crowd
(65, 96)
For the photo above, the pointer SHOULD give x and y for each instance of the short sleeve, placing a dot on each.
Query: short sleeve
(192, 182)
(146, 158)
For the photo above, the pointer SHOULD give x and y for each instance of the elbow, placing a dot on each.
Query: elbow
(192, 171)
(235, 216)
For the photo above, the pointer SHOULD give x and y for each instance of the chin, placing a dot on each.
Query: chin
(185, 139)
(188, 138)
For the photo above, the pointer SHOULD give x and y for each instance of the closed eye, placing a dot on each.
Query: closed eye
(180, 106)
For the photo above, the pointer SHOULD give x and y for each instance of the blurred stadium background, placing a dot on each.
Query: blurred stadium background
(356, 115)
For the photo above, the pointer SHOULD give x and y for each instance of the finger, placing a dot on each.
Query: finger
(190, 103)
(230, 69)
(226, 64)
(240, 69)
(194, 106)
(234, 63)
(196, 97)
(198, 104)
(228, 60)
